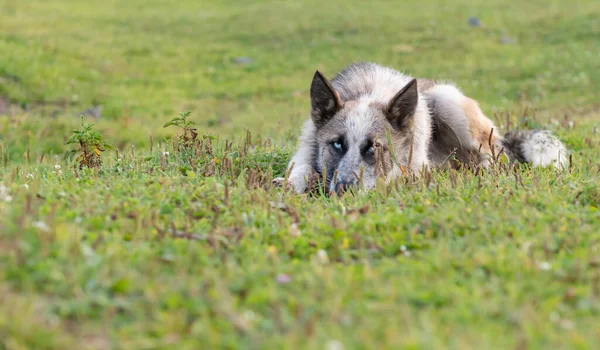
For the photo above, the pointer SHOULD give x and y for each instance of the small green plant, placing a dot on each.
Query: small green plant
(91, 145)
(189, 135)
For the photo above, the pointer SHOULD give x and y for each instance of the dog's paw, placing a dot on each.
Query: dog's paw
(297, 185)
(279, 181)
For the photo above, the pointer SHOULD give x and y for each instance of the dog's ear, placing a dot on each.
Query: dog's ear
(402, 107)
(324, 100)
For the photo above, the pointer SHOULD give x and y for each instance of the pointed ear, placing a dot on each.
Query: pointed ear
(325, 101)
(402, 107)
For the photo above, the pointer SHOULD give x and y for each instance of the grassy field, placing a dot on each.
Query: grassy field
(168, 248)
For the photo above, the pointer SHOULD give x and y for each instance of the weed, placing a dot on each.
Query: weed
(91, 145)
(188, 135)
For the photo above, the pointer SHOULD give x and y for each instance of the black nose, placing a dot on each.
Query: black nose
(342, 187)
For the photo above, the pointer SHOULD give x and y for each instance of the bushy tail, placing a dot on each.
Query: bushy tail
(536, 147)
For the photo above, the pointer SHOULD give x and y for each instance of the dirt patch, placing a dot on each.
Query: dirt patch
(4, 105)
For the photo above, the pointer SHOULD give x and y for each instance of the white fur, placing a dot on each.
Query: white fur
(421, 134)
(301, 161)
(448, 103)
(358, 121)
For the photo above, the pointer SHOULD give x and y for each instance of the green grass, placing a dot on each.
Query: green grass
(166, 249)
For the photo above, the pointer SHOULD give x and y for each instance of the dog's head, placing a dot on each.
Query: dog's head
(352, 136)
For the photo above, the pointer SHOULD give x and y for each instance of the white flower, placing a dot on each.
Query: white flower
(334, 345)
(404, 251)
(322, 256)
(566, 324)
(57, 167)
(42, 226)
(249, 315)
(29, 176)
(294, 230)
(544, 266)
(166, 153)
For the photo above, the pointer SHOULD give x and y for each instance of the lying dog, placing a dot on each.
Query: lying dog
(372, 121)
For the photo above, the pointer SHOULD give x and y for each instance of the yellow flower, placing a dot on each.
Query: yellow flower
(345, 243)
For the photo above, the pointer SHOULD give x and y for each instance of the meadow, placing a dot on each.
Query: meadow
(181, 241)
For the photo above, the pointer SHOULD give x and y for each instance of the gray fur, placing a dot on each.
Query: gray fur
(513, 143)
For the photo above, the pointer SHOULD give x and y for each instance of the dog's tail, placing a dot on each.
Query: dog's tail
(535, 147)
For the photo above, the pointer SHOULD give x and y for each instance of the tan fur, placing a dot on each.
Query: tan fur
(480, 127)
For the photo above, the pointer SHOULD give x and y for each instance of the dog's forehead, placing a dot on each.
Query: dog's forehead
(360, 119)
(356, 121)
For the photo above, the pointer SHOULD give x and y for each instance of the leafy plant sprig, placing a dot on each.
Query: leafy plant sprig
(91, 145)
(187, 138)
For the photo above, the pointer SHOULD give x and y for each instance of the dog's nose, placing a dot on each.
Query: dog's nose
(344, 186)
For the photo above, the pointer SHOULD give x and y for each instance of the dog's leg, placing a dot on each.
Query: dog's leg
(302, 162)
(471, 129)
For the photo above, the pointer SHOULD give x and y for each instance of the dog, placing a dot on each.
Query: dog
(372, 121)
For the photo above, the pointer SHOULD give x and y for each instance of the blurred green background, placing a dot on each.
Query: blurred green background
(248, 64)
(156, 249)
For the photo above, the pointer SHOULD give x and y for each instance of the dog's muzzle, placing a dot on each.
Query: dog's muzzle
(343, 186)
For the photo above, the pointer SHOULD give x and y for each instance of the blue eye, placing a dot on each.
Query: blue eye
(337, 146)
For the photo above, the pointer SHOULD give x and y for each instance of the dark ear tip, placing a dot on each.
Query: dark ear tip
(318, 75)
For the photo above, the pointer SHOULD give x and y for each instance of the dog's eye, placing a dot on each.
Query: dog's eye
(338, 145)
(370, 148)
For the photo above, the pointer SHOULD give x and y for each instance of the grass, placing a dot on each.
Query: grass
(165, 246)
